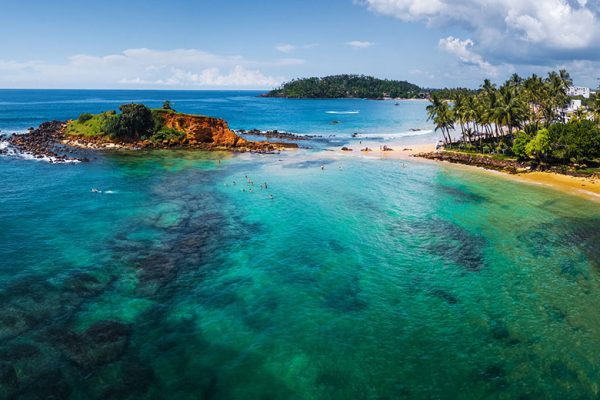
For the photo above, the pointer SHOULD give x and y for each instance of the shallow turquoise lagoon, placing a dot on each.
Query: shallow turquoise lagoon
(366, 279)
(346, 278)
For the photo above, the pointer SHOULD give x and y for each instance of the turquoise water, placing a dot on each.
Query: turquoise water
(366, 279)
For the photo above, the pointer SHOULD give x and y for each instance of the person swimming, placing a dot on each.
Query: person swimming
(94, 190)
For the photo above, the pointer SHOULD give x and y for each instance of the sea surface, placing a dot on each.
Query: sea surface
(347, 277)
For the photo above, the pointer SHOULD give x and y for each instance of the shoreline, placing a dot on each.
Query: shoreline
(583, 187)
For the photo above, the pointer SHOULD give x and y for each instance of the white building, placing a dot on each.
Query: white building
(574, 105)
(579, 91)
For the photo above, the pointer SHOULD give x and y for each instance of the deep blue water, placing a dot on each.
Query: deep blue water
(21, 109)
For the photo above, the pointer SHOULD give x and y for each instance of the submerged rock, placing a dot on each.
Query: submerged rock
(102, 343)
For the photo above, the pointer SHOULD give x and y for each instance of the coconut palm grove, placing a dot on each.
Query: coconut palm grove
(527, 119)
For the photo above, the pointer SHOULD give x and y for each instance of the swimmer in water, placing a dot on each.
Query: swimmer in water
(322, 167)
(94, 190)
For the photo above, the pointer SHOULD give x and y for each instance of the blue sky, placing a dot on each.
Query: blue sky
(258, 44)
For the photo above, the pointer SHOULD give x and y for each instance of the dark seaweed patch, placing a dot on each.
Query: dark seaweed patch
(562, 372)
(458, 245)
(102, 343)
(461, 194)
(444, 295)
(345, 297)
(445, 239)
(565, 233)
(500, 332)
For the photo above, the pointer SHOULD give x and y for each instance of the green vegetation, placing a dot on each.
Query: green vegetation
(451, 93)
(134, 122)
(523, 118)
(346, 86)
(89, 124)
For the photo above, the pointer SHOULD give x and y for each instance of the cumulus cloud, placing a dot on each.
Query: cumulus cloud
(462, 49)
(511, 29)
(360, 44)
(179, 68)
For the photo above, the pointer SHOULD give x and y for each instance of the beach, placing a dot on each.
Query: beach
(588, 188)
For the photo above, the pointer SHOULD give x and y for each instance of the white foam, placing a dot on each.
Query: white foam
(342, 112)
(389, 136)
(11, 151)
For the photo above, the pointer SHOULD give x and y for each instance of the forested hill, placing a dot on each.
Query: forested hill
(346, 86)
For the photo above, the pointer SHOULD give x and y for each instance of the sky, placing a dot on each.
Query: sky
(258, 44)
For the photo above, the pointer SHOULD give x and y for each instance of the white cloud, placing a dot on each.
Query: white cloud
(179, 68)
(462, 49)
(360, 44)
(510, 29)
(286, 48)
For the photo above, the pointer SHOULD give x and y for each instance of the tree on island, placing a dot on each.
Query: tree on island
(134, 122)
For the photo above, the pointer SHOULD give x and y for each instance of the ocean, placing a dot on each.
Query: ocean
(183, 277)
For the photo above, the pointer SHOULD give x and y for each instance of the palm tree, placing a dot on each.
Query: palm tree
(440, 113)
(511, 110)
(459, 114)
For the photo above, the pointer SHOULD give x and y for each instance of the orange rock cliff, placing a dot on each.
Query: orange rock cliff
(203, 130)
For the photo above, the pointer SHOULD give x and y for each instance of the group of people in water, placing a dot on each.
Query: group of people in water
(250, 183)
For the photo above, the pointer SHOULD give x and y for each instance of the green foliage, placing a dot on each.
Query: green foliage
(167, 135)
(452, 93)
(346, 86)
(158, 120)
(90, 126)
(134, 122)
(575, 141)
(519, 145)
(167, 105)
(540, 146)
(83, 118)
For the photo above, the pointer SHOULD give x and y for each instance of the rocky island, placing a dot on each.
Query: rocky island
(134, 127)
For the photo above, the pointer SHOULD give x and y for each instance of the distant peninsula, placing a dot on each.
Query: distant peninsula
(344, 87)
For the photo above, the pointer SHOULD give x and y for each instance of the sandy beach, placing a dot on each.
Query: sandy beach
(588, 188)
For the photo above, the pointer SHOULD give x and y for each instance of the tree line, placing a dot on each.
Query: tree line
(523, 117)
(346, 86)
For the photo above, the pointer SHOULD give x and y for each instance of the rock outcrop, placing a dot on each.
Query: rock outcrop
(203, 130)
